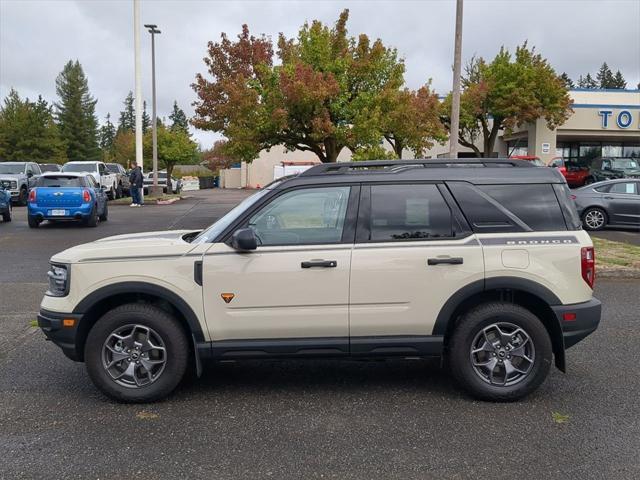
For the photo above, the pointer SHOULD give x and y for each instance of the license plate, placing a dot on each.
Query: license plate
(58, 213)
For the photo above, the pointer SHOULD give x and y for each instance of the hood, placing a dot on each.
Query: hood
(135, 246)
(632, 173)
(12, 176)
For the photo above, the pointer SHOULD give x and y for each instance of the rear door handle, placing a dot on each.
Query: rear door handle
(448, 261)
(319, 263)
(608, 198)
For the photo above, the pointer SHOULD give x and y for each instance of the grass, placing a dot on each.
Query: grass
(147, 199)
(616, 254)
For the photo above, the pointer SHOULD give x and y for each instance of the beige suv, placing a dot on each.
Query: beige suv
(480, 262)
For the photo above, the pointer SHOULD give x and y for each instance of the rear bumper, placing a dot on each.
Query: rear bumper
(578, 320)
(51, 323)
(73, 213)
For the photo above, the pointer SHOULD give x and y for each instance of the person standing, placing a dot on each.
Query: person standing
(136, 180)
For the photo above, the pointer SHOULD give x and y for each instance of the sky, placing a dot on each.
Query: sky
(37, 37)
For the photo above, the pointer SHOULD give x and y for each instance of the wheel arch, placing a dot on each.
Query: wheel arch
(97, 303)
(534, 297)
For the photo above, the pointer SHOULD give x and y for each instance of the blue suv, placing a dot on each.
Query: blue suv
(67, 196)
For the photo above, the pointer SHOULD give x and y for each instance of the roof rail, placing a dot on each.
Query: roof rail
(390, 166)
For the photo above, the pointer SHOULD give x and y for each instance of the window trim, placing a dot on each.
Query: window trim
(348, 229)
(363, 227)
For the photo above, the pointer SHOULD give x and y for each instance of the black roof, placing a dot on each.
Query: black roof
(477, 171)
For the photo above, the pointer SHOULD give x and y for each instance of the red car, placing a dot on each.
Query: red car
(575, 175)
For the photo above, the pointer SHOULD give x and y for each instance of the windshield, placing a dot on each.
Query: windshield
(59, 181)
(113, 168)
(12, 169)
(218, 227)
(79, 167)
(49, 167)
(624, 164)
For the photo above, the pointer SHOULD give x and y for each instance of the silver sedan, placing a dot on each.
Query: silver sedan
(612, 202)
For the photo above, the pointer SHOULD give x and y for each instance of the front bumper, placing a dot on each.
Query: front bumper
(52, 324)
(578, 320)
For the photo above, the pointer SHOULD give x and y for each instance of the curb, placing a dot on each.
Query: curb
(621, 273)
(167, 202)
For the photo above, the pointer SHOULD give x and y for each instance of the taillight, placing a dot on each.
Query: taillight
(32, 196)
(86, 196)
(588, 264)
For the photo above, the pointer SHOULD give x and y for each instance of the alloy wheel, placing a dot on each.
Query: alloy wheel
(502, 354)
(134, 356)
(594, 219)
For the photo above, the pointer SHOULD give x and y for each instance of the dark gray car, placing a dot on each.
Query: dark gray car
(612, 202)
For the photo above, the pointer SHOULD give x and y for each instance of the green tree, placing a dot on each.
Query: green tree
(174, 147)
(505, 93)
(146, 120)
(316, 99)
(107, 137)
(567, 80)
(605, 77)
(217, 157)
(127, 120)
(587, 82)
(124, 147)
(619, 81)
(28, 131)
(178, 118)
(75, 114)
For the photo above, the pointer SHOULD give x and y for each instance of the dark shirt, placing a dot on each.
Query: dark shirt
(135, 177)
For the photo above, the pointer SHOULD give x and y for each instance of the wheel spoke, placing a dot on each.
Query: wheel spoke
(486, 347)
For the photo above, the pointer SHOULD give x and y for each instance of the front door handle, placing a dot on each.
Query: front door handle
(448, 261)
(319, 263)
(608, 198)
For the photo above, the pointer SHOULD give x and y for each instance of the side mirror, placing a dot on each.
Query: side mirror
(29, 174)
(244, 240)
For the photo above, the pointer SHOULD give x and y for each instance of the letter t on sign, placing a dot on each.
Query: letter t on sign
(605, 117)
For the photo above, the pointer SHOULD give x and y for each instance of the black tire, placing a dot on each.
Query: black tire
(467, 330)
(170, 333)
(105, 214)
(92, 221)
(112, 193)
(32, 221)
(22, 198)
(119, 191)
(589, 180)
(6, 216)
(589, 217)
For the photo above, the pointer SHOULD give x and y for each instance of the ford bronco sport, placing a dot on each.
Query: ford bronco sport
(480, 262)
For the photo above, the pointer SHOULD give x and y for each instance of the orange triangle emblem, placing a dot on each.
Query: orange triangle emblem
(227, 297)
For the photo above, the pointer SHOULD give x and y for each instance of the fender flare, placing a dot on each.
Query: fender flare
(145, 288)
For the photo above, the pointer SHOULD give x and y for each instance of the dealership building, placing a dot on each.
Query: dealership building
(603, 123)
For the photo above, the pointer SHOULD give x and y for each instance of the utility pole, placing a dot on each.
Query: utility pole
(153, 30)
(138, 81)
(455, 100)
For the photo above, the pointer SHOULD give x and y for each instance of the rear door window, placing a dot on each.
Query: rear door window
(628, 188)
(408, 212)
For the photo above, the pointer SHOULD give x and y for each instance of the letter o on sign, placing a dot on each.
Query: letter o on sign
(624, 119)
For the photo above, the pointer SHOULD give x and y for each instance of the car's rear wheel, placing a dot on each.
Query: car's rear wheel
(594, 218)
(499, 352)
(589, 180)
(6, 216)
(92, 219)
(137, 353)
(32, 221)
(119, 191)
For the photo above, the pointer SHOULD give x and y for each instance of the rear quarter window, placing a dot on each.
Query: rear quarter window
(61, 181)
(510, 208)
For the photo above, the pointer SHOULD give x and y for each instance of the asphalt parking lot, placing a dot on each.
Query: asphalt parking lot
(313, 419)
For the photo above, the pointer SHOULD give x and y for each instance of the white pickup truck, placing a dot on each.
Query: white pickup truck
(107, 180)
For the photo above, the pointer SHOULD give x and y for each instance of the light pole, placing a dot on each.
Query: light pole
(455, 100)
(138, 81)
(153, 30)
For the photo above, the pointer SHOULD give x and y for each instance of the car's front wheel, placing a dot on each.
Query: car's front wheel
(22, 197)
(499, 352)
(6, 216)
(594, 218)
(136, 353)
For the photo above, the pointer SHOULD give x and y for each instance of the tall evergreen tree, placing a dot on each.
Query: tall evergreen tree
(75, 113)
(127, 120)
(587, 82)
(28, 131)
(605, 77)
(178, 119)
(619, 81)
(146, 120)
(107, 136)
(567, 80)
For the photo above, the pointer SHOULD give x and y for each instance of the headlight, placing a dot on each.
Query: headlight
(58, 280)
